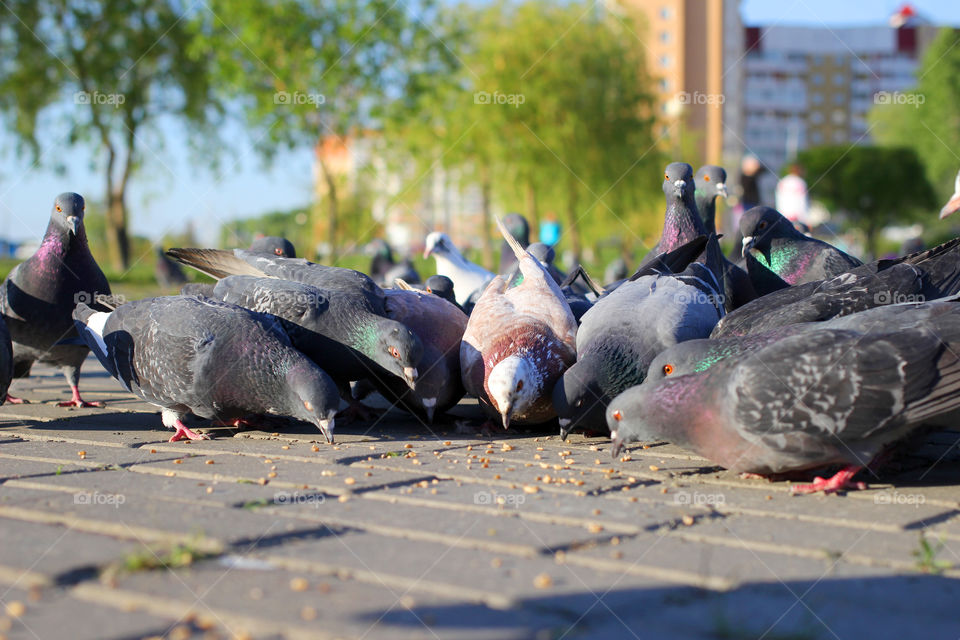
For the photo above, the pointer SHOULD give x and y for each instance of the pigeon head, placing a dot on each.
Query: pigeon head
(378, 248)
(578, 398)
(631, 418)
(67, 214)
(544, 253)
(312, 396)
(692, 356)
(711, 180)
(518, 227)
(396, 349)
(953, 204)
(274, 245)
(439, 243)
(514, 385)
(760, 226)
(678, 180)
(441, 286)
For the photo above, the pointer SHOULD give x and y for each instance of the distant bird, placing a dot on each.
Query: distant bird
(193, 355)
(953, 204)
(440, 325)
(545, 255)
(38, 297)
(711, 182)
(774, 243)
(623, 332)
(518, 342)
(467, 277)
(519, 228)
(816, 399)
(274, 245)
(616, 270)
(925, 275)
(384, 269)
(167, 272)
(441, 286)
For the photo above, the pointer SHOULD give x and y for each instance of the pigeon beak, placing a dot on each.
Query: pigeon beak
(678, 187)
(747, 245)
(722, 190)
(410, 375)
(74, 223)
(564, 428)
(505, 417)
(429, 406)
(951, 206)
(617, 445)
(326, 428)
(427, 252)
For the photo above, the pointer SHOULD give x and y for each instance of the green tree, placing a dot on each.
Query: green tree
(927, 118)
(874, 186)
(308, 73)
(118, 65)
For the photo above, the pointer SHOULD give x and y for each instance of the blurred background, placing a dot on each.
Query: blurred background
(336, 122)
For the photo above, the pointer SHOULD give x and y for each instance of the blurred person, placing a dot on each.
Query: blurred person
(792, 199)
(550, 230)
(751, 170)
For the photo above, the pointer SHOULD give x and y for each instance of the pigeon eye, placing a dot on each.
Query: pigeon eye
(395, 352)
(706, 178)
(617, 415)
(58, 208)
(762, 225)
(667, 369)
(307, 405)
(578, 403)
(666, 177)
(520, 385)
(278, 251)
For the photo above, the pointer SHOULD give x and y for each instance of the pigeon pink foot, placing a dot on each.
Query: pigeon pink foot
(838, 482)
(183, 431)
(14, 400)
(77, 401)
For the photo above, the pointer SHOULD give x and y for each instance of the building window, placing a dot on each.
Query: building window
(839, 99)
(665, 13)
(664, 84)
(816, 117)
(839, 136)
(817, 79)
(839, 116)
(816, 137)
(664, 61)
(816, 98)
(839, 79)
(664, 37)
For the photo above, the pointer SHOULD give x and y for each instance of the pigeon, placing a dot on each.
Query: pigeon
(440, 325)
(441, 286)
(38, 297)
(6, 361)
(925, 275)
(953, 204)
(274, 245)
(711, 181)
(623, 332)
(384, 270)
(519, 228)
(518, 342)
(219, 361)
(545, 255)
(167, 272)
(616, 270)
(681, 222)
(336, 330)
(820, 398)
(774, 243)
(467, 277)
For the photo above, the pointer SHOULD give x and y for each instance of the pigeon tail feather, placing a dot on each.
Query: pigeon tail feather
(216, 263)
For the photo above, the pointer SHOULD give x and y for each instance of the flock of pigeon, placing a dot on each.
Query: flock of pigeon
(796, 358)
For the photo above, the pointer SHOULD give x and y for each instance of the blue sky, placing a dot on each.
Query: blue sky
(171, 190)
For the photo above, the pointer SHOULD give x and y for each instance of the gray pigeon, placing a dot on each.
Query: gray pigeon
(711, 182)
(38, 297)
(771, 241)
(815, 399)
(925, 275)
(194, 355)
(274, 245)
(623, 332)
(441, 286)
(468, 278)
(519, 228)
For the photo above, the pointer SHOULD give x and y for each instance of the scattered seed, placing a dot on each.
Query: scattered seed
(16, 609)
(299, 584)
(543, 581)
(209, 462)
(687, 520)
(316, 448)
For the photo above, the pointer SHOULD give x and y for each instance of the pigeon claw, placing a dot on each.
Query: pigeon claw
(77, 401)
(14, 400)
(185, 432)
(840, 481)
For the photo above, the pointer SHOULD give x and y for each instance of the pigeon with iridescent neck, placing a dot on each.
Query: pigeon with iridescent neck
(711, 182)
(819, 398)
(38, 297)
(518, 342)
(215, 360)
(775, 244)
